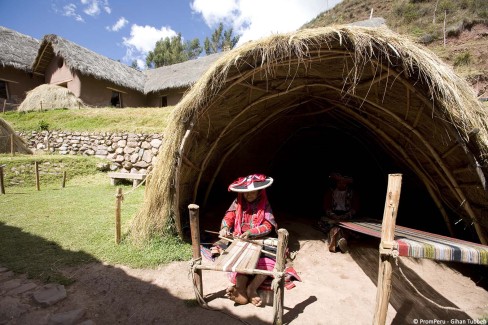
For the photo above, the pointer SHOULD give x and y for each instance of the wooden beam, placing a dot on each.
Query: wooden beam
(278, 296)
(450, 150)
(387, 243)
(195, 244)
(188, 162)
(245, 84)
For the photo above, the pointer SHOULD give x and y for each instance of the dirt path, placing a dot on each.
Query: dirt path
(335, 289)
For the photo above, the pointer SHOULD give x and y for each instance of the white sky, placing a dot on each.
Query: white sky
(252, 19)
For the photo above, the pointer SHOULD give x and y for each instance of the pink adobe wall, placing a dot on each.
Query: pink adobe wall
(95, 92)
(57, 72)
(173, 96)
(23, 83)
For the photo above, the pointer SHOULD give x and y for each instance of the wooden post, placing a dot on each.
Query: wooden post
(118, 203)
(2, 186)
(63, 184)
(36, 168)
(195, 243)
(386, 245)
(12, 151)
(4, 103)
(445, 14)
(278, 295)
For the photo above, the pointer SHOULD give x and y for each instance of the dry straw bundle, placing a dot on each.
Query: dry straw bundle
(46, 97)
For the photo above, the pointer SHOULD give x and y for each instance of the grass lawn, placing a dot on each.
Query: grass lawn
(44, 231)
(107, 119)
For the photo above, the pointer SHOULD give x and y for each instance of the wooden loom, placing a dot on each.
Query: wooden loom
(241, 257)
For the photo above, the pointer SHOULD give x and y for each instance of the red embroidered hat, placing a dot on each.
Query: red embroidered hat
(338, 177)
(250, 183)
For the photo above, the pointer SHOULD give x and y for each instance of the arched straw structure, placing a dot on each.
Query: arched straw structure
(373, 84)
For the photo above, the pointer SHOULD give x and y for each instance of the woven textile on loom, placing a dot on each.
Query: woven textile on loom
(421, 244)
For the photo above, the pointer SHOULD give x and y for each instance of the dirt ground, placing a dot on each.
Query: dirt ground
(335, 289)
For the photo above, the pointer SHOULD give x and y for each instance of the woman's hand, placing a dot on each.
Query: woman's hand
(245, 235)
(224, 232)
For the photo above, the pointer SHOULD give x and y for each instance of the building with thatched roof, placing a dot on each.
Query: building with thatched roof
(363, 101)
(94, 78)
(168, 84)
(100, 81)
(17, 52)
(26, 63)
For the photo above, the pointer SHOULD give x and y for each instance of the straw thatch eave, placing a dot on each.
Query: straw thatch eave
(87, 63)
(372, 81)
(180, 75)
(17, 50)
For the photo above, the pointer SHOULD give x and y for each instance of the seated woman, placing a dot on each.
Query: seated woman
(340, 204)
(249, 217)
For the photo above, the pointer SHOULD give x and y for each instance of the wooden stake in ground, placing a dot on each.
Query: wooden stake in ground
(36, 168)
(195, 244)
(63, 184)
(386, 247)
(278, 296)
(2, 187)
(4, 103)
(118, 203)
(12, 151)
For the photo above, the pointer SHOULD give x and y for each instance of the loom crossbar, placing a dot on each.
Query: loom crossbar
(422, 244)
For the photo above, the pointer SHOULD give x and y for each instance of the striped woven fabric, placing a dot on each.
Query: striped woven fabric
(241, 257)
(421, 244)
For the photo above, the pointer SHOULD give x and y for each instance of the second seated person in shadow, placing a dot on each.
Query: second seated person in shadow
(249, 217)
(341, 203)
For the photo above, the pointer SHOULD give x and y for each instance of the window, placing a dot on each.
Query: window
(3, 89)
(116, 100)
(164, 101)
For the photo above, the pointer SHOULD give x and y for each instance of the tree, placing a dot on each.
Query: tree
(220, 40)
(172, 50)
(134, 64)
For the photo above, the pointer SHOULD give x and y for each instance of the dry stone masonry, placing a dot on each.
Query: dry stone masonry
(125, 152)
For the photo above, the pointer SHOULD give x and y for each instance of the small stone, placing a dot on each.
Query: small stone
(23, 288)
(66, 318)
(9, 285)
(50, 294)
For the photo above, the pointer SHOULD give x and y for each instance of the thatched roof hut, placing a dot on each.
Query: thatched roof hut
(78, 58)
(17, 50)
(47, 97)
(6, 134)
(180, 75)
(298, 106)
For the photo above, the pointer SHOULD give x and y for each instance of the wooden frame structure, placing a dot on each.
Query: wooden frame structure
(247, 263)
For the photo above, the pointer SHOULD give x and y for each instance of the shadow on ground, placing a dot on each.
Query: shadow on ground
(105, 294)
(407, 303)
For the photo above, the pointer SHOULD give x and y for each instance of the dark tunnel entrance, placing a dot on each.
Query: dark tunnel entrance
(300, 166)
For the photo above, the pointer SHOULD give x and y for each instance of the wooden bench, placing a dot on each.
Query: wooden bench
(136, 178)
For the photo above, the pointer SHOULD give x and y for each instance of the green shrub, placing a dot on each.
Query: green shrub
(42, 125)
(463, 58)
(446, 6)
(408, 11)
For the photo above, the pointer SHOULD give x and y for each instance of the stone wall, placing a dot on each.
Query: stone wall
(125, 152)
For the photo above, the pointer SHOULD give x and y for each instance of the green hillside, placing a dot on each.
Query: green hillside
(464, 23)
